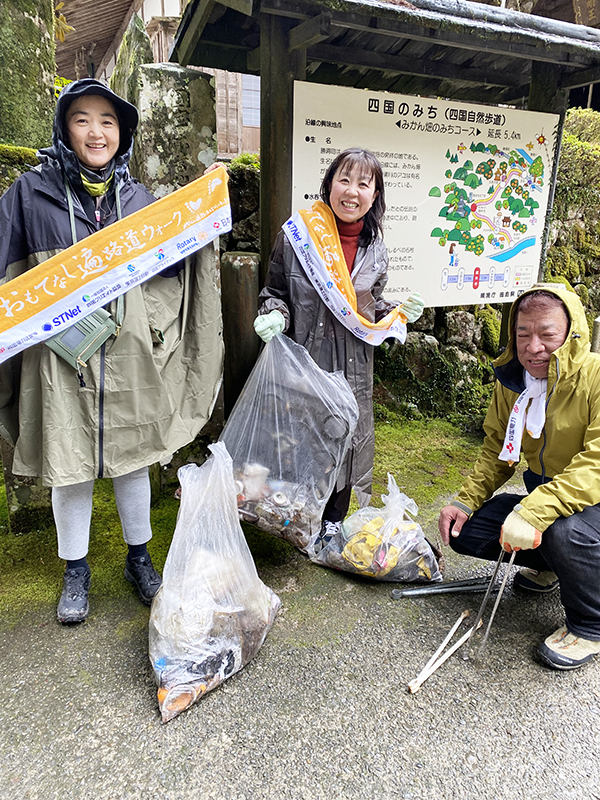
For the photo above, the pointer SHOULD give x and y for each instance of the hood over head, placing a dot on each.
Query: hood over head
(61, 148)
(570, 355)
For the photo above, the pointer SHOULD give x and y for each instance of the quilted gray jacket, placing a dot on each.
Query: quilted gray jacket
(333, 347)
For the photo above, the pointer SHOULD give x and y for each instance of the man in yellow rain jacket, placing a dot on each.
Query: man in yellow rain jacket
(546, 404)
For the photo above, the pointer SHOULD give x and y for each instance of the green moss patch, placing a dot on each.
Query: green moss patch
(428, 458)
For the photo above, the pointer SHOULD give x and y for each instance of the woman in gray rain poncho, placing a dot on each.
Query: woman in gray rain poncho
(353, 189)
(143, 393)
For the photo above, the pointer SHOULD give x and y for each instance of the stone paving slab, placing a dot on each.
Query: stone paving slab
(322, 712)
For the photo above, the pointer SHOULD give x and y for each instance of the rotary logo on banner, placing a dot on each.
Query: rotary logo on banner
(91, 273)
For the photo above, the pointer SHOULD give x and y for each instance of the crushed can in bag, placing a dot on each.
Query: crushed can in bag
(288, 435)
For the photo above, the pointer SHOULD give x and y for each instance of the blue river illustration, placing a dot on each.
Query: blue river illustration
(505, 255)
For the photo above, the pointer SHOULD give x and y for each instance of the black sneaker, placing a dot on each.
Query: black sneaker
(140, 572)
(329, 530)
(73, 605)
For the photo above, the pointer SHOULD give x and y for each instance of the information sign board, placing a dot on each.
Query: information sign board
(466, 185)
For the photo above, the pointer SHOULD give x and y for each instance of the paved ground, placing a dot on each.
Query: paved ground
(322, 712)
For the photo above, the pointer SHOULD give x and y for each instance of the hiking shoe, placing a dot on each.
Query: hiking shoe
(530, 580)
(329, 530)
(140, 572)
(564, 650)
(73, 605)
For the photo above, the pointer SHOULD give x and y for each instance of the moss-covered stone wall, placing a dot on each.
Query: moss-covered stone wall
(27, 67)
(573, 257)
(135, 49)
(14, 161)
(176, 138)
(244, 183)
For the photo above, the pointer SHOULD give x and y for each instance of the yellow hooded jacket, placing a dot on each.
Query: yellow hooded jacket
(566, 457)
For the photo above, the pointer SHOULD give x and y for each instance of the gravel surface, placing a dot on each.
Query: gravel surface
(322, 712)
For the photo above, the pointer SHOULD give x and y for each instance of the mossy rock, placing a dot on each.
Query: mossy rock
(27, 68)
(491, 322)
(135, 49)
(563, 264)
(560, 279)
(441, 382)
(14, 161)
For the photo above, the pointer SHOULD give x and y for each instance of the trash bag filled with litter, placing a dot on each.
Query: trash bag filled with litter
(212, 612)
(287, 436)
(383, 543)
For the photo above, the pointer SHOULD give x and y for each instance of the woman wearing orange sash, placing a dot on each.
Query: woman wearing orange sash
(122, 411)
(325, 291)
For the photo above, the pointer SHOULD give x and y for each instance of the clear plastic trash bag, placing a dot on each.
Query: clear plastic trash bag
(383, 543)
(212, 612)
(288, 435)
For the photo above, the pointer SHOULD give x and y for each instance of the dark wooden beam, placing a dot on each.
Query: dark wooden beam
(311, 32)
(477, 37)
(253, 60)
(222, 56)
(243, 6)
(575, 80)
(277, 67)
(477, 41)
(191, 37)
(547, 94)
(456, 14)
(386, 62)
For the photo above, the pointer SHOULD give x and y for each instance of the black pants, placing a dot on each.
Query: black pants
(338, 505)
(570, 547)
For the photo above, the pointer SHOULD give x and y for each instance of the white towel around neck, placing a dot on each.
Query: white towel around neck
(534, 416)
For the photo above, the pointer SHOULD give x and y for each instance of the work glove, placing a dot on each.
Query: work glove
(269, 325)
(412, 307)
(518, 534)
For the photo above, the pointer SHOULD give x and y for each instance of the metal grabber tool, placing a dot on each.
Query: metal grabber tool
(439, 657)
(483, 605)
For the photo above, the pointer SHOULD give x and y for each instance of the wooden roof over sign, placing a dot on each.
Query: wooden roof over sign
(99, 28)
(446, 48)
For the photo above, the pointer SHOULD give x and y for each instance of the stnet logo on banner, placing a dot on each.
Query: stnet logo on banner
(90, 274)
(466, 186)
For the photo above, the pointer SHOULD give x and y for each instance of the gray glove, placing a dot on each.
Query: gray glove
(412, 307)
(269, 325)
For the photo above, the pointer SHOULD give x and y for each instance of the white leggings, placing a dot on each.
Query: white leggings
(72, 509)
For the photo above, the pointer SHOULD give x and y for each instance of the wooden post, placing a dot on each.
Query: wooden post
(278, 67)
(545, 95)
(239, 290)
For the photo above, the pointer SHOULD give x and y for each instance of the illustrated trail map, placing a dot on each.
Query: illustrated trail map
(466, 186)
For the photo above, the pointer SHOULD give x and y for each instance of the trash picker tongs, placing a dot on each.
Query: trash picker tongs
(484, 603)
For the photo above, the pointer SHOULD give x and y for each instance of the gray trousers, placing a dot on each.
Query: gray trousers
(72, 509)
(570, 547)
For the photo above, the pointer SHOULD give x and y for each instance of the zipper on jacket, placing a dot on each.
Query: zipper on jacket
(357, 267)
(101, 414)
(541, 456)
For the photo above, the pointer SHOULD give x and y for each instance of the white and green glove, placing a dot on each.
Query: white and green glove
(412, 307)
(269, 325)
(518, 534)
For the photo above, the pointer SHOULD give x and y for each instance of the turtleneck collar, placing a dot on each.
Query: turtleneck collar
(350, 228)
(349, 234)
